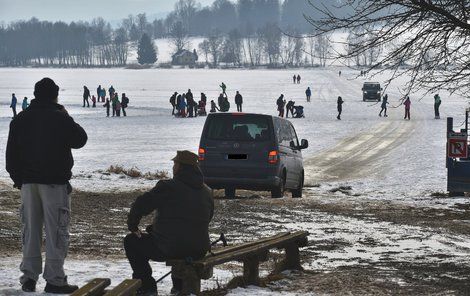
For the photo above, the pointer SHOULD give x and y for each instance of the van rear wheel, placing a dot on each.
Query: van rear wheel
(230, 192)
(278, 192)
(297, 193)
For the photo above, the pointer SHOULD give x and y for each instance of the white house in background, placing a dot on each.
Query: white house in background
(184, 57)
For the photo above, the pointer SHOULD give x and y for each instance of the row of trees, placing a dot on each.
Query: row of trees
(80, 44)
(224, 15)
(267, 46)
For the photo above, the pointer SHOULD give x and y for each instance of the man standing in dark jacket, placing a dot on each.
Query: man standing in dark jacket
(190, 101)
(14, 101)
(86, 95)
(39, 161)
(183, 209)
(239, 101)
(124, 103)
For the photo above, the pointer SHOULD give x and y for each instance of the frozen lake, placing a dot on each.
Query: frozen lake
(149, 136)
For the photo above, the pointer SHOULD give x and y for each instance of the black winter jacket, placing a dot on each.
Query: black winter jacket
(238, 99)
(39, 145)
(183, 209)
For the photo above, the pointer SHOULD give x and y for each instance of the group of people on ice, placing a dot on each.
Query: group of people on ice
(184, 105)
(14, 102)
(110, 103)
(284, 108)
(296, 79)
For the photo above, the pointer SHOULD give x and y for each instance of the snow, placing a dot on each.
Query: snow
(149, 136)
(79, 272)
(405, 167)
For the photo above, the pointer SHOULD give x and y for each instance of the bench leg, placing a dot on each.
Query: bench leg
(291, 261)
(191, 283)
(251, 271)
(293, 257)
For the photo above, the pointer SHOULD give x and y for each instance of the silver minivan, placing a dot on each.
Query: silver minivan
(253, 152)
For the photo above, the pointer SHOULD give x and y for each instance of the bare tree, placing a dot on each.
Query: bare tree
(205, 48)
(311, 49)
(291, 48)
(185, 11)
(232, 48)
(431, 36)
(271, 36)
(322, 49)
(179, 36)
(215, 46)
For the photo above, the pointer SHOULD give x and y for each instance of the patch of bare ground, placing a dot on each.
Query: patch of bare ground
(98, 227)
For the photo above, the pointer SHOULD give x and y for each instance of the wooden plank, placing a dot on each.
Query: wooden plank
(247, 244)
(125, 288)
(249, 251)
(234, 248)
(94, 287)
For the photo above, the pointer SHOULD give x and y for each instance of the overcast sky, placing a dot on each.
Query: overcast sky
(72, 10)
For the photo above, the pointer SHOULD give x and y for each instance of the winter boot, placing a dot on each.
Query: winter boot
(147, 292)
(29, 286)
(53, 289)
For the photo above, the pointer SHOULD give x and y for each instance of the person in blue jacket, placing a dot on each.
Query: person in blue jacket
(13, 104)
(25, 104)
(183, 106)
(308, 93)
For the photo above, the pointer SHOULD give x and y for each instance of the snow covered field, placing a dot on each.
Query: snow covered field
(384, 160)
(149, 136)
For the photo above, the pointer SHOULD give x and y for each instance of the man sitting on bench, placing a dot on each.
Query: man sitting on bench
(183, 209)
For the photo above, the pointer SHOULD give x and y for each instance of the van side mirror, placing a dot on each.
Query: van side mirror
(303, 144)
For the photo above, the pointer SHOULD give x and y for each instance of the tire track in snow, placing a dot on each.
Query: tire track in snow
(360, 155)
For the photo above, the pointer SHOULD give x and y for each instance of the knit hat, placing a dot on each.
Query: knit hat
(186, 157)
(46, 89)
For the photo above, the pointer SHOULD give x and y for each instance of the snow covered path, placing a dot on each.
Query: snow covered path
(360, 155)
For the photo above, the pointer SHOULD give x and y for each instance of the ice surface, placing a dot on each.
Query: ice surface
(148, 138)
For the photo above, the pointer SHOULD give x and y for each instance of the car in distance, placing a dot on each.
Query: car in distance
(371, 91)
(251, 151)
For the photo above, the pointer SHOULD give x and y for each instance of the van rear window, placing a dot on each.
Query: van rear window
(239, 128)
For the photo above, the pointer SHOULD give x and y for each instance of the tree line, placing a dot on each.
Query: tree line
(78, 44)
(246, 32)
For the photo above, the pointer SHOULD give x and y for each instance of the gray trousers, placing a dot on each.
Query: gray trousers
(47, 205)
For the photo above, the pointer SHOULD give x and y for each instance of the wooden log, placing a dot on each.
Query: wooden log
(94, 287)
(126, 288)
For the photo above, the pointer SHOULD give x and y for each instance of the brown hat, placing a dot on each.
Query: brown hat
(186, 157)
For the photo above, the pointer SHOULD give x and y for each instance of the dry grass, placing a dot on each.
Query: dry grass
(136, 173)
(439, 194)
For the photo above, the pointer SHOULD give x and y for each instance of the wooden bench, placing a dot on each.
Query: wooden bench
(251, 254)
(96, 287)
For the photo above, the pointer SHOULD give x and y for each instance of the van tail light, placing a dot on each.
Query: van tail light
(273, 157)
(202, 154)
